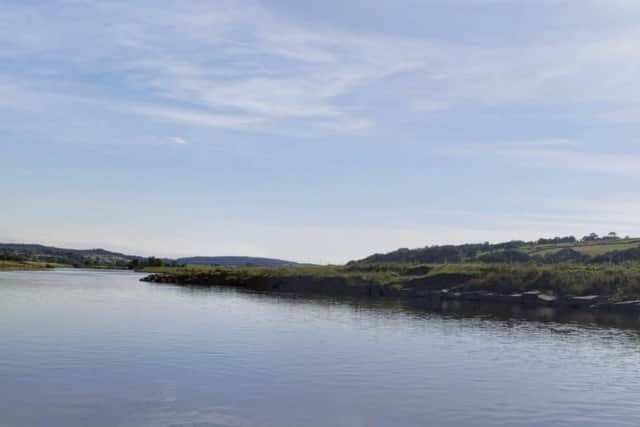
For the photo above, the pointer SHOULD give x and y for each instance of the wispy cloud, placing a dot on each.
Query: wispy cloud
(178, 140)
(238, 64)
(192, 117)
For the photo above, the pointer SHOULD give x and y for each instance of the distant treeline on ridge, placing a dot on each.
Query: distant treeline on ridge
(589, 249)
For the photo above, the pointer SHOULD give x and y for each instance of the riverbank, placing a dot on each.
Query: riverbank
(613, 288)
(26, 265)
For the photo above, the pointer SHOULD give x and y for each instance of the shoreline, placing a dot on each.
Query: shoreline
(440, 289)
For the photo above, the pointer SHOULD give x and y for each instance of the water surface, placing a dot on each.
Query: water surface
(100, 348)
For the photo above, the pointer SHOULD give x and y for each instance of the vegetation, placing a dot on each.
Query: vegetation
(19, 265)
(382, 275)
(590, 249)
(141, 263)
(616, 281)
(607, 265)
(100, 258)
(619, 282)
(97, 258)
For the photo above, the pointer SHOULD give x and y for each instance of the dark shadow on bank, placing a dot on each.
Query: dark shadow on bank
(426, 308)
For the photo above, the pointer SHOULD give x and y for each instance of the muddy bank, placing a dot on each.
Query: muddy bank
(304, 285)
(439, 289)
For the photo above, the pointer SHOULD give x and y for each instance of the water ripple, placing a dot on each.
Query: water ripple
(100, 348)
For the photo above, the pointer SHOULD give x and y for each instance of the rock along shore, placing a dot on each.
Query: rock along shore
(439, 290)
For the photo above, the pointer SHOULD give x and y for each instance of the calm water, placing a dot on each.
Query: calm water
(86, 348)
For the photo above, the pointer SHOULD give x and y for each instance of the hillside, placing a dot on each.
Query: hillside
(21, 253)
(590, 249)
(234, 261)
(72, 257)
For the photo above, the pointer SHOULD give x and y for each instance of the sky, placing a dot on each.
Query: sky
(316, 131)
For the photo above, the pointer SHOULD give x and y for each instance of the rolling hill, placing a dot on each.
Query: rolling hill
(73, 257)
(104, 258)
(589, 249)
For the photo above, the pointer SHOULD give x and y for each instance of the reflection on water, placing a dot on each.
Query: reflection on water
(99, 348)
(423, 307)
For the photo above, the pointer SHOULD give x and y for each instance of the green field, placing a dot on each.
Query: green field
(586, 248)
(27, 265)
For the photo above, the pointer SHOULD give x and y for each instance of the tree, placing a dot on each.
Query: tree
(154, 262)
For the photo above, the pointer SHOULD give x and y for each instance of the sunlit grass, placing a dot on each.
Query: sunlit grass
(620, 281)
(586, 248)
(26, 265)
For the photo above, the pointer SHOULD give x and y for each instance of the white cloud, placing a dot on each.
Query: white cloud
(192, 117)
(238, 59)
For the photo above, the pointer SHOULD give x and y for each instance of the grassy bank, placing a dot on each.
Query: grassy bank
(617, 282)
(239, 274)
(26, 265)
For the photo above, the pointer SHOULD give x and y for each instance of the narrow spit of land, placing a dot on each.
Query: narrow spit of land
(571, 286)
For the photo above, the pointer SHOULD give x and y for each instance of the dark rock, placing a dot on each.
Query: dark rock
(470, 296)
(489, 297)
(512, 298)
(435, 297)
(445, 295)
(530, 298)
(582, 301)
(626, 306)
(547, 299)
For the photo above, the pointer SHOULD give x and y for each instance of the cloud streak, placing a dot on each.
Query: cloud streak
(240, 59)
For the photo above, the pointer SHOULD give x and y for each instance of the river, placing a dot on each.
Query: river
(99, 348)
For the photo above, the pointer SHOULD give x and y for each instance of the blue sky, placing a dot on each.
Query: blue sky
(316, 131)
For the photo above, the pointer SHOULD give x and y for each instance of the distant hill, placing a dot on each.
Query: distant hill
(234, 261)
(591, 249)
(74, 257)
(104, 258)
